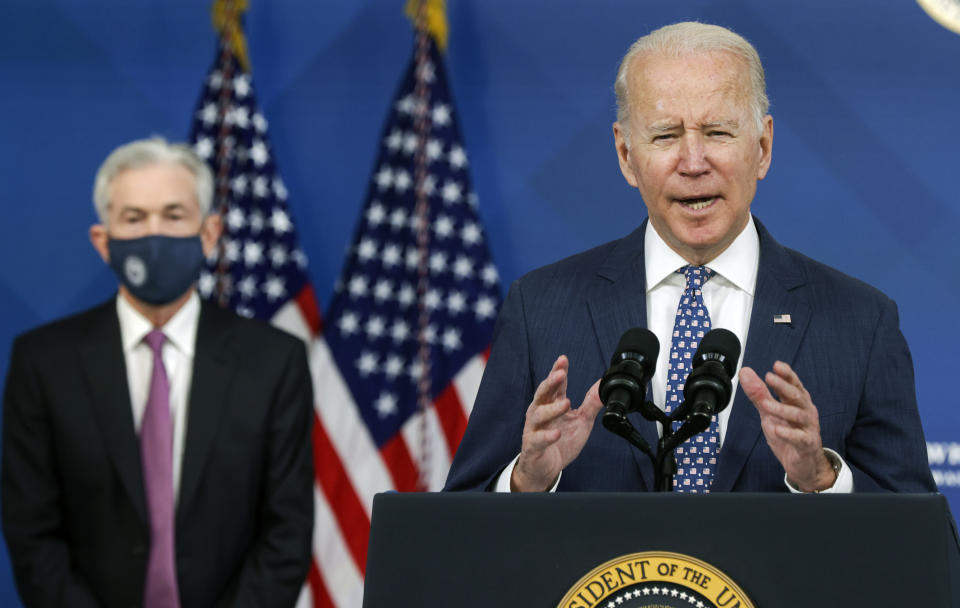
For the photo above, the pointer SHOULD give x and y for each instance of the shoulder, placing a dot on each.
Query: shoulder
(828, 287)
(220, 324)
(832, 285)
(72, 329)
(578, 270)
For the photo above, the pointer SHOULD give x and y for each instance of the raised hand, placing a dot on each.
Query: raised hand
(791, 426)
(553, 433)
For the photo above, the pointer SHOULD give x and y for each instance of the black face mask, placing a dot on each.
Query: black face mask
(156, 269)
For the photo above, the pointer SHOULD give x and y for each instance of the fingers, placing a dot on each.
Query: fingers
(592, 404)
(792, 409)
(785, 382)
(537, 441)
(553, 434)
(554, 386)
(549, 403)
(791, 425)
(543, 414)
(784, 430)
(782, 380)
(545, 420)
(791, 417)
(786, 372)
(759, 394)
(753, 386)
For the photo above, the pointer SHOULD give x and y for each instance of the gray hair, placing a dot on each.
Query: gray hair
(687, 38)
(152, 151)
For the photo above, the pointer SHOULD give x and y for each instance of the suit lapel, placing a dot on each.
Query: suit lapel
(105, 371)
(780, 290)
(618, 302)
(211, 379)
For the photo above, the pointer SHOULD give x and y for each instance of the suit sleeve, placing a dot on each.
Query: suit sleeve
(494, 432)
(33, 517)
(276, 565)
(885, 449)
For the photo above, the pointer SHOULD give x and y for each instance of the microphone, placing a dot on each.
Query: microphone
(707, 389)
(624, 386)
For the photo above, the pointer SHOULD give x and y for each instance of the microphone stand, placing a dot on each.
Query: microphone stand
(666, 466)
(620, 425)
(664, 461)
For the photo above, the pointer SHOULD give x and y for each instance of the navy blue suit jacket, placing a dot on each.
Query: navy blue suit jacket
(844, 342)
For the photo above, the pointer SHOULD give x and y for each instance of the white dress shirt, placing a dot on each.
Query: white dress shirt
(728, 297)
(178, 350)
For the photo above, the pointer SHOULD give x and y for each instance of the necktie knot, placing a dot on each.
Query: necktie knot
(696, 276)
(155, 340)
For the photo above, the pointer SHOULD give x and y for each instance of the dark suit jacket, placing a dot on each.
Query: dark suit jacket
(74, 512)
(844, 342)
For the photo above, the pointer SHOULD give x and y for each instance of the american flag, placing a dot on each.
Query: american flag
(410, 323)
(397, 368)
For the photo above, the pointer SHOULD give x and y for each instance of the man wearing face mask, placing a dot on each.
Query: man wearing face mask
(156, 449)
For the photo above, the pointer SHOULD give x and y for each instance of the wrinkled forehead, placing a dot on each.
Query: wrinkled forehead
(153, 186)
(708, 80)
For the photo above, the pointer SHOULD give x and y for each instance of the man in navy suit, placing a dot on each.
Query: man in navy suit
(835, 410)
(223, 514)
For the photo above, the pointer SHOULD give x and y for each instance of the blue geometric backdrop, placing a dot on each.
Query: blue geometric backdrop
(865, 166)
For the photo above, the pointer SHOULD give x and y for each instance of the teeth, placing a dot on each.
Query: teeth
(697, 204)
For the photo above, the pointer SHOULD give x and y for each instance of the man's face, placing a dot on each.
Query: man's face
(695, 153)
(154, 199)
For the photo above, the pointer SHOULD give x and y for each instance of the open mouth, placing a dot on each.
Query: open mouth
(697, 202)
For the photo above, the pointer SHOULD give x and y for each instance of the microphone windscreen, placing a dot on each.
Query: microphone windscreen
(719, 345)
(638, 340)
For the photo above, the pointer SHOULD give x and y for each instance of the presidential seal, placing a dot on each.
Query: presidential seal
(944, 12)
(655, 579)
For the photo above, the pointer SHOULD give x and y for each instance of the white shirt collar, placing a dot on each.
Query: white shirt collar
(737, 264)
(180, 330)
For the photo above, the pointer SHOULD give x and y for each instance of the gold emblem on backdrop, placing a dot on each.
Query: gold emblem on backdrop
(944, 12)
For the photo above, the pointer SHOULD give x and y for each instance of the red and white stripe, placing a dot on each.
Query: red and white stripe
(350, 469)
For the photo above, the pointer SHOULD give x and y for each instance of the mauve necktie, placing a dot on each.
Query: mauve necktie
(156, 455)
(697, 456)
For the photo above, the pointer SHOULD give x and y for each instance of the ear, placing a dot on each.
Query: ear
(99, 239)
(623, 153)
(210, 231)
(766, 146)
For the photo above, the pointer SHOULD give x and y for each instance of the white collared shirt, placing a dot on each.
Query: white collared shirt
(178, 351)
(728, 296)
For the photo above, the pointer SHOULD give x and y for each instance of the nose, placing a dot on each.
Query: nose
(693, 156)
(154, 224)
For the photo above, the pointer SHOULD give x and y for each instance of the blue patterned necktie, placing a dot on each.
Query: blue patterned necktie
(697, 456)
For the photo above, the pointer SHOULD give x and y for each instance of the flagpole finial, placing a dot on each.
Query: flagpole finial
(430, 15)
(226, 20)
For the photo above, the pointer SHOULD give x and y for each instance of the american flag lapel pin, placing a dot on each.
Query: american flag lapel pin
(784, 318)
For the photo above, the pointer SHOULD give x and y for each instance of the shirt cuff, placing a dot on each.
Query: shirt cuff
(503, 481)
(843, 484)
